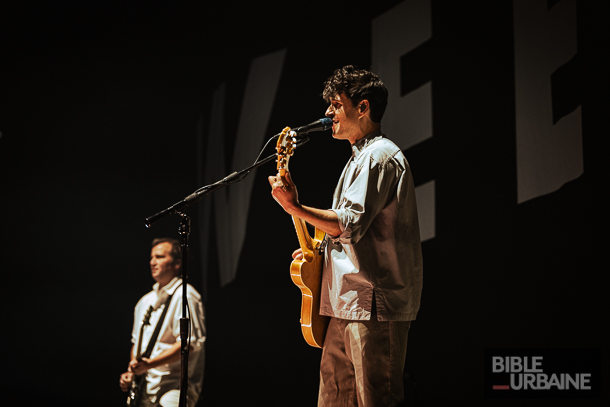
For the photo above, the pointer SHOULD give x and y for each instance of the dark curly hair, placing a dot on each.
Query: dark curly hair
(358, 85)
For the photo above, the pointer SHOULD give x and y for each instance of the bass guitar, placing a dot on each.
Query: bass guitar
(138, 381)
(307, 272)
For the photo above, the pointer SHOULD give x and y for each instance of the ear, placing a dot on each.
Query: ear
(363, 106)
(177, 265)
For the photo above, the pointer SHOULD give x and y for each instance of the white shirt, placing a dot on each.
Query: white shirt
(167, 377)
(378, 254)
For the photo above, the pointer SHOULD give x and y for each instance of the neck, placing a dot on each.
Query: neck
(163, 283)
(364, 130)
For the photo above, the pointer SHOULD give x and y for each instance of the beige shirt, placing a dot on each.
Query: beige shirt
(378, 254)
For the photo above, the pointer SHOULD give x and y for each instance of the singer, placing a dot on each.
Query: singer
(153, 374)
(372, 275)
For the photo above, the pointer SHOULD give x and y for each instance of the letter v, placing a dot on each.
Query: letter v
(232, 203)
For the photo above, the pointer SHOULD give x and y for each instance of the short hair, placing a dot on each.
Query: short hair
(358, 85)
(175, 251)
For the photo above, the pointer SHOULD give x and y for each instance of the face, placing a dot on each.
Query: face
(345, 118)
(162, 265)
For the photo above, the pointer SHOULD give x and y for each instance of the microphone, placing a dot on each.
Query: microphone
(318, 125)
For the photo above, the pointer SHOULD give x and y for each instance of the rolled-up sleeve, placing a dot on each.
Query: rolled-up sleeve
(373, 185)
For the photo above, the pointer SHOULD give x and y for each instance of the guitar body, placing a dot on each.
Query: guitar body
(135, 390)
(138, 382)
(307, 275)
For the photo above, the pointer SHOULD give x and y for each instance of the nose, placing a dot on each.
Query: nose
(330, 112)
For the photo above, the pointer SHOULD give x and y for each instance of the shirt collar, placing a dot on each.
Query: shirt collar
(364, 142)
(169, 289)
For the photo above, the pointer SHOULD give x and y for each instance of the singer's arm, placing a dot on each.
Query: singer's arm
(285, 193)
(323, 219)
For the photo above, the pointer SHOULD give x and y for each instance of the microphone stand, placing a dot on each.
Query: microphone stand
(184, 231)
(201, 192)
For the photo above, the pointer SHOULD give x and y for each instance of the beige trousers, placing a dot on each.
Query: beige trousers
(362, 363)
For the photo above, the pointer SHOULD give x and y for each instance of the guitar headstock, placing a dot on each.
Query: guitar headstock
(286, 145)
(146, 320)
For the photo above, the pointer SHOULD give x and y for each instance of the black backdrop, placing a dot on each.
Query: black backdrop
(100, 109)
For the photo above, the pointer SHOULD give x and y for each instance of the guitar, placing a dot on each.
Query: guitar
(137, 381)
(307, 272)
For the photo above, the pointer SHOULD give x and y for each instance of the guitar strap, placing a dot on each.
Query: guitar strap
(323, 244)
(153, 338)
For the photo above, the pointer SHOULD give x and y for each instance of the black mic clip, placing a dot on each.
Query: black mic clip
(318, 125)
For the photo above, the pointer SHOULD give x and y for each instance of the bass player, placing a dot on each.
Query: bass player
(161, 370)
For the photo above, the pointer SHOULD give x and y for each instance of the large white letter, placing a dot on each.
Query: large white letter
(232, 204)
(408, 119)
(547, 155)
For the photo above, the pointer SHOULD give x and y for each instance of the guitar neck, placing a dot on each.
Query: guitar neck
(145, 322)
(139, 346)
(308, 245)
